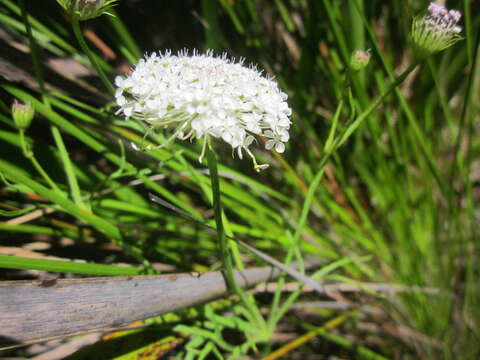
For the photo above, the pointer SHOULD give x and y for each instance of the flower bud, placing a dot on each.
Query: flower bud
(86, 9)
(359, 59)
(436, 31)
(22, 115)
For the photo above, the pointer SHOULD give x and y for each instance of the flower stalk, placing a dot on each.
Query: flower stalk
(217, 208)
(223, 242)
(28, 153)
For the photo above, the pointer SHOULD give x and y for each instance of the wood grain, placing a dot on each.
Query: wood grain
(31, 311)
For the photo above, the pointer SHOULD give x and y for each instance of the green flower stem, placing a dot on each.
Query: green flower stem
(30, 156)
(87, 51)
(225, 253)
(217, 208)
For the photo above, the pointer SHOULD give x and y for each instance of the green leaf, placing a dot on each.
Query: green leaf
(16, 262)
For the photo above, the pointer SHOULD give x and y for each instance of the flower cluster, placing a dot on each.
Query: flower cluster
(437, 30)
(86, 9)
(202, 96)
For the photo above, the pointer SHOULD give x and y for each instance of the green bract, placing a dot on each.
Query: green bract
(87, 9)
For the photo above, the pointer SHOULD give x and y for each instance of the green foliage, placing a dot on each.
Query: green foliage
(379, 181)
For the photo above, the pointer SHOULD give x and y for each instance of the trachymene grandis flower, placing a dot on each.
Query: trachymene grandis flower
(202, 96)
(437, 30)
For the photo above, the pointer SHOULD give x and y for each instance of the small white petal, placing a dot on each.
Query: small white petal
(270, 144)
(280, 147)
(269, 134)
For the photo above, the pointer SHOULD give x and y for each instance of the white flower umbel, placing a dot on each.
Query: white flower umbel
(201, 96)
(437, 30)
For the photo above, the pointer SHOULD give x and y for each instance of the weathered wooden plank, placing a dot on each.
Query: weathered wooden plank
(34, 310)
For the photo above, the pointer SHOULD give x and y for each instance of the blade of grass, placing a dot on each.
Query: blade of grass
(19, 263)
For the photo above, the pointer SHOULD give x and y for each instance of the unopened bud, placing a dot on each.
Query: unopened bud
(87, 9)
(22, 115)
(359, 59)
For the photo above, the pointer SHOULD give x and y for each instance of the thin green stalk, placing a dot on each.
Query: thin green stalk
(226, 258)
(27, 152)
(225, 254)
(467, 13)
(78, 34)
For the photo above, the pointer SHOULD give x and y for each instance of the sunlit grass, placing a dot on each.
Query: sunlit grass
(379, 181)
